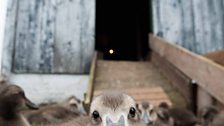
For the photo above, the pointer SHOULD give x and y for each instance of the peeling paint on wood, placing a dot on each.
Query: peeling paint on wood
(51, 36)
(197, 25)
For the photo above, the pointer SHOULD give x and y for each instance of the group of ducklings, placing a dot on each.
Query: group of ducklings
(108, 109)
(17, 110)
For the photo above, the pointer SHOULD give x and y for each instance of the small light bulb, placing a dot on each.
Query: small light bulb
(111, 51)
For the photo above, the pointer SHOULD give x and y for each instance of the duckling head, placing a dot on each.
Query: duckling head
(13, 99)
(113, 109)
(148, 112)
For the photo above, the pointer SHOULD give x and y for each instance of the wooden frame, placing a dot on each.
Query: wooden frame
(207, 74)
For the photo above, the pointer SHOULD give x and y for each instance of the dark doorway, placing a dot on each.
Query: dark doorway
(122, 29)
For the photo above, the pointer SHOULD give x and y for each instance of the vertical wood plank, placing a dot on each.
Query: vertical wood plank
(194, 24)
(74, 36)
(202, 32)
(187, 28)
(215, 10)
(164, 25)
(9, 36)
(88, 33)
(54, 36)
(67, 36)
(34, 36)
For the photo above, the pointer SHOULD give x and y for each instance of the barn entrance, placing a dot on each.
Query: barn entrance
(122, 29)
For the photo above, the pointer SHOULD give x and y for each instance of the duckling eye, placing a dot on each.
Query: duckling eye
(74, 105)
(95, 115)
(151, 111)
(132, 112)
(79, 101)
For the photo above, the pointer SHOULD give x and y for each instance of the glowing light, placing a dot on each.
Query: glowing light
(111, 51)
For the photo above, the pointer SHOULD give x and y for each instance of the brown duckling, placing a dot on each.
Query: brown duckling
(12, 100)
(153, 116)
(147, 112)
(55, 112)
(109, 109)
(212, 116)
(181, 116)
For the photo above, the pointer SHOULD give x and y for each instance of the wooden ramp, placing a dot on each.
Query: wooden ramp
(153, 95)
(142, 80)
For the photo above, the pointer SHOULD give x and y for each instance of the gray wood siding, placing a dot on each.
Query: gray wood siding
(9, 38)
(197, 25)
(53, 36)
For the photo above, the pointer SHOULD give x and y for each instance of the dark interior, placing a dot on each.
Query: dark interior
(122, 26)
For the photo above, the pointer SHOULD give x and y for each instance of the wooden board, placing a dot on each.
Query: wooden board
(131, 74)
(181, 82)
(9, 38)
(206, 73)
(153, 95)
(194, 24)
(49, 36)
(89, 93)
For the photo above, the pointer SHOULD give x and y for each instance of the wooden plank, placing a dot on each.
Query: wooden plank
(74, 43)
(148, 95)
(154, 95)
(54, 36)
(164, 26)
(208, 20)
(9, 36)
(203, 99)
(180, 81)
(136, 91)
(34, 37)
(196, 24)
(206, 73)
(187, 25)
(89, 93)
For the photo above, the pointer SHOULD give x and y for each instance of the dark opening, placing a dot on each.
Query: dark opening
(122, 29)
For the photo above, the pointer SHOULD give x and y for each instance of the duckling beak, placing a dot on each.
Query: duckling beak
(120, 122)
(30, 105)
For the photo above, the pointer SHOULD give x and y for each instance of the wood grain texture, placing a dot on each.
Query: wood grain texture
(153, 95)
(197, 25)
(178, 79)
(9, 37)
(207, 74)
(52, 36)
(89, 92)
(34, 37)
(74, 36)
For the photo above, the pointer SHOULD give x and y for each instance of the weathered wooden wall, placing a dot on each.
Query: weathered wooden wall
(197, 25)
(49, 36)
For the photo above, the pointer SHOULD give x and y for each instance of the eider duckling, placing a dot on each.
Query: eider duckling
(109, 109)
(148, 113)
(12, 100)
(211, 116)
(154, 116)
(53, 113)
(181, 116)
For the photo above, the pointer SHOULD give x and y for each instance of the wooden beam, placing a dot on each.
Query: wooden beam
(175, 76)
(208, 75)
(89, 93)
